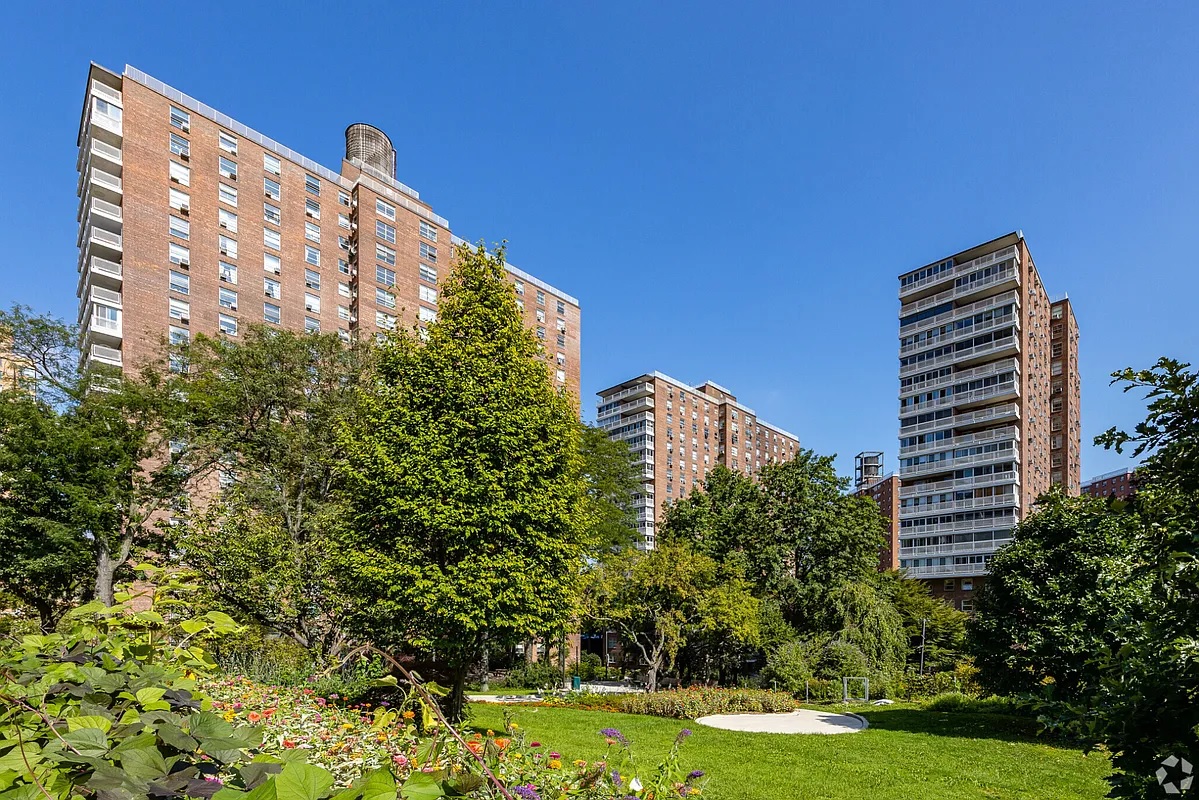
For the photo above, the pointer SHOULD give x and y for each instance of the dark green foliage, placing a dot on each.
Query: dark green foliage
(943, 626)
(612, 481)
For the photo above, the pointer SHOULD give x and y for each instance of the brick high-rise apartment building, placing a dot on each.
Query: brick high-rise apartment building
(191, 222)
(1065, 418)
(977, 380)
(679, 432)
(869, 481)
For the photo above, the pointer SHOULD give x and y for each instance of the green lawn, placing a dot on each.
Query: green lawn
(906, 753)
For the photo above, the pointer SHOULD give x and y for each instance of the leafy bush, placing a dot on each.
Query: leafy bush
(789, 667)
(701, 702)
(532, 675)
(590, 668)
(956, 702)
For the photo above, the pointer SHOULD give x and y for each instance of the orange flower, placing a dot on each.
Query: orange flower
(253, 716)
(288, 744)
(409, 714)
(270, 712)
(501, 743)
(475, 747)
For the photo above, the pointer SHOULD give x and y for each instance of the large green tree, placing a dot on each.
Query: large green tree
(266, 412)
(613, 481)
(79, 484)
(464, 482)
(928, 622)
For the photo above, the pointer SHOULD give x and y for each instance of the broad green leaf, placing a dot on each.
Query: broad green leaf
(14, 759)
(75, 723)
(192, 626)
(379, 784)
(150, 694)
(87, 741)
(144, 763)
(206, 724)
(421, 786)
(300, 781)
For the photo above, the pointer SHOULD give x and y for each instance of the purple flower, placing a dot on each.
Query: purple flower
(612, 733)
(384, 703)
(695, 773)
(615, 778)
(528, 792)
(683, 734)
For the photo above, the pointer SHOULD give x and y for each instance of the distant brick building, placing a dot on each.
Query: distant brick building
(1120, 484)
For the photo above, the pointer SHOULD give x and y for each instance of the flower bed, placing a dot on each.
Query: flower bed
(680, 703)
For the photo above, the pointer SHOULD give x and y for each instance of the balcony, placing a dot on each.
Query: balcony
(612, 423)
(965, 526)
(646, 459)
(959, 549)
(95, 151)
(100, 214)
(103, 184)
(640, 404)
(995, 434)
(958, 270)
(97, 241)
(973, 503)
(106, 92)
(105, 355)
(957, 484)
(640, 390)
(945, 571)
(1001, 321)
(101, 330)
(985, 394)
(100, 272)
(961, 376)
(961, 312)
(104, 120)
(961, 462)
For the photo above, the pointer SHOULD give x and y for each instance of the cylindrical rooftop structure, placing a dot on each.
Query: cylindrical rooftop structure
(371, 146)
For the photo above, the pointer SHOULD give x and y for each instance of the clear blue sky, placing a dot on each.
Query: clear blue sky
(730, 189)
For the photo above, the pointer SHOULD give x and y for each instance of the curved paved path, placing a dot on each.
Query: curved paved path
(801, 721)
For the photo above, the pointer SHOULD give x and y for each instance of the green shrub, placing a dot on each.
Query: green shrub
(590, 668)
(701, 702)
(532, 675)
(789, 667)
(956, 702)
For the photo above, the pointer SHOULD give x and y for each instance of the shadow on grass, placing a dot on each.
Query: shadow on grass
(1005, 727)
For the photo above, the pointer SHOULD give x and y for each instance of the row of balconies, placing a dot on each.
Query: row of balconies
(961, 462)
(992, 435)
(640, 404)
(959, 549)
(640, 390)
(961, 376)
(994, 501)
(959, 333)
(619, 422)
(965, 526)
(945, 571)
(994, 348)
(983, 394)
(961, 311)
(959, 270)
(957, 484)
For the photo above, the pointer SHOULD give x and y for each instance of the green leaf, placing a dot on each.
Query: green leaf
(379, 784)
(150, 694)
(87, 741)
(206, 724)
(14, 759)
(300, 781)
(144, 763)
(75, 723)
(174, 736)
(422, 786)
(192, 626)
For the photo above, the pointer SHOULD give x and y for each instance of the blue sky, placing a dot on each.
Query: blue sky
(730, 190)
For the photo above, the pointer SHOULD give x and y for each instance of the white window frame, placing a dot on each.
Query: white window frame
(226, 246)
(272, 165)
(272, 263)
(385, 209)
(227, 324)
(178, 282)
(226, 142)
(227, 194)
(269, 310)
(272, 239)
(180, 174)
(226, 219)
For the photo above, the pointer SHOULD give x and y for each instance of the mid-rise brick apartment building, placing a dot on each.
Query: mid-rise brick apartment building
(979, 374)
(1119, 485)
(680, 432)
(189, 222)
(883, 490)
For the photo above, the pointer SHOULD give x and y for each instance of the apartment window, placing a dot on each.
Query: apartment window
(272, 189)
(227, 246)
(271, 165)
(428, 295)
(179, 227)
(271, 239)
(385, 210)
(428, 231)
(343, 266)
(227, 194)
(272, 288)
(106, 317)
(540, 332)
(562, 363)
(1056, 444)
(312, 279)
(561, 326)
(1055, 405)
(227, 142)
(343, 198)
(967, 606)
(180, 201)
(312, 255)
(1055, 331)
(227, 324)
(181, 119)
(228, 273)
(427, 273)
(385, 321)
(180, 146)
(343, 243)
(427, 314)
(180, 174)
(520, 287)
(179, 282)
(179, 309)
(343, 289)
(562, 308)
(1056, 387)
(561, 375)
(312, 184)
(178, 254)
(271, 263)
(950, 584)
(272, 313)
(561, 340)
(385, 276)
(540, 297)
(227, 298)
(179, 336)
(541, 315)
(227, 168)
(312, 231)
(385, 298)
(385, 232)
(967, 584)
(343, 221)
(227, 220)
(385, 254)
(428, 252)
(272, 214)
(312, 303)
(520, 304)
(1056, 350)
(1055, 368)
(343, 312)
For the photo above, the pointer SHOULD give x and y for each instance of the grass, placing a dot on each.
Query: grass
(906, 753)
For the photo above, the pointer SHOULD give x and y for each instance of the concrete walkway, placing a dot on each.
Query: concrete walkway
(801, 721)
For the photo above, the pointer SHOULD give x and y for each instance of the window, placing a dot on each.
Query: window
(180, 174)
(179, 227)
(227, 142)
(385, 276)
(272, 214)
(312, 208)
(271, 263)
(428, 231)
(179, 282)
(106, 317)
(178, 254)
(561, 340)
(227, 194)
(180, 119)
(385, 210)
(343, 266)
(343, 221)
(312, 279)
(520, 304)
(312, 325)
(428, 295)
(228, 273)
(180, 201)
(179, 336)
(312, 255)
(272, 189)
(227, 220)
(272, 313)
(343, 289)
(227, 298)
(312, 231)
(180, 146)
(312, 303)
(562, 310)
(520, 287)
(227, 246)
(271, 239)
(343, 198)
(385, 254)
(343, 243)
(540, 332)
(385, 298)
(427, 273)
(427, 314)
(385, 232)
(428, 252)
(227, 168)
(1056, 350)
(227, 324)
(312, 184)
(271, 165)
(562, 379)
(968, 606)
(343, 312)
(385, 321)
(561, 326)
(950, 584)
(562, 363)
(540, 297)
(179, 309)
(541, 315)
(272, 288)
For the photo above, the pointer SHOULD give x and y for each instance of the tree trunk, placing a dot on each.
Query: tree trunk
(47, 619)
(457, 700)
(485, 658)
(107, 566)
(651, 676)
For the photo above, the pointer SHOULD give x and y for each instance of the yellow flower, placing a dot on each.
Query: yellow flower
(555, 764)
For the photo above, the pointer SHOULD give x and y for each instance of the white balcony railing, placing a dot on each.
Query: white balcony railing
(965, 526)
(961, 269)
(956, 484)
(995, 434)
(961, 312)
(107, 92)
(982, 371)
(640, 404)
(962, 548)
(105, 180)
(945, 571)
(969, 504)
(638, 390)
(959, 334)
(106, 355)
